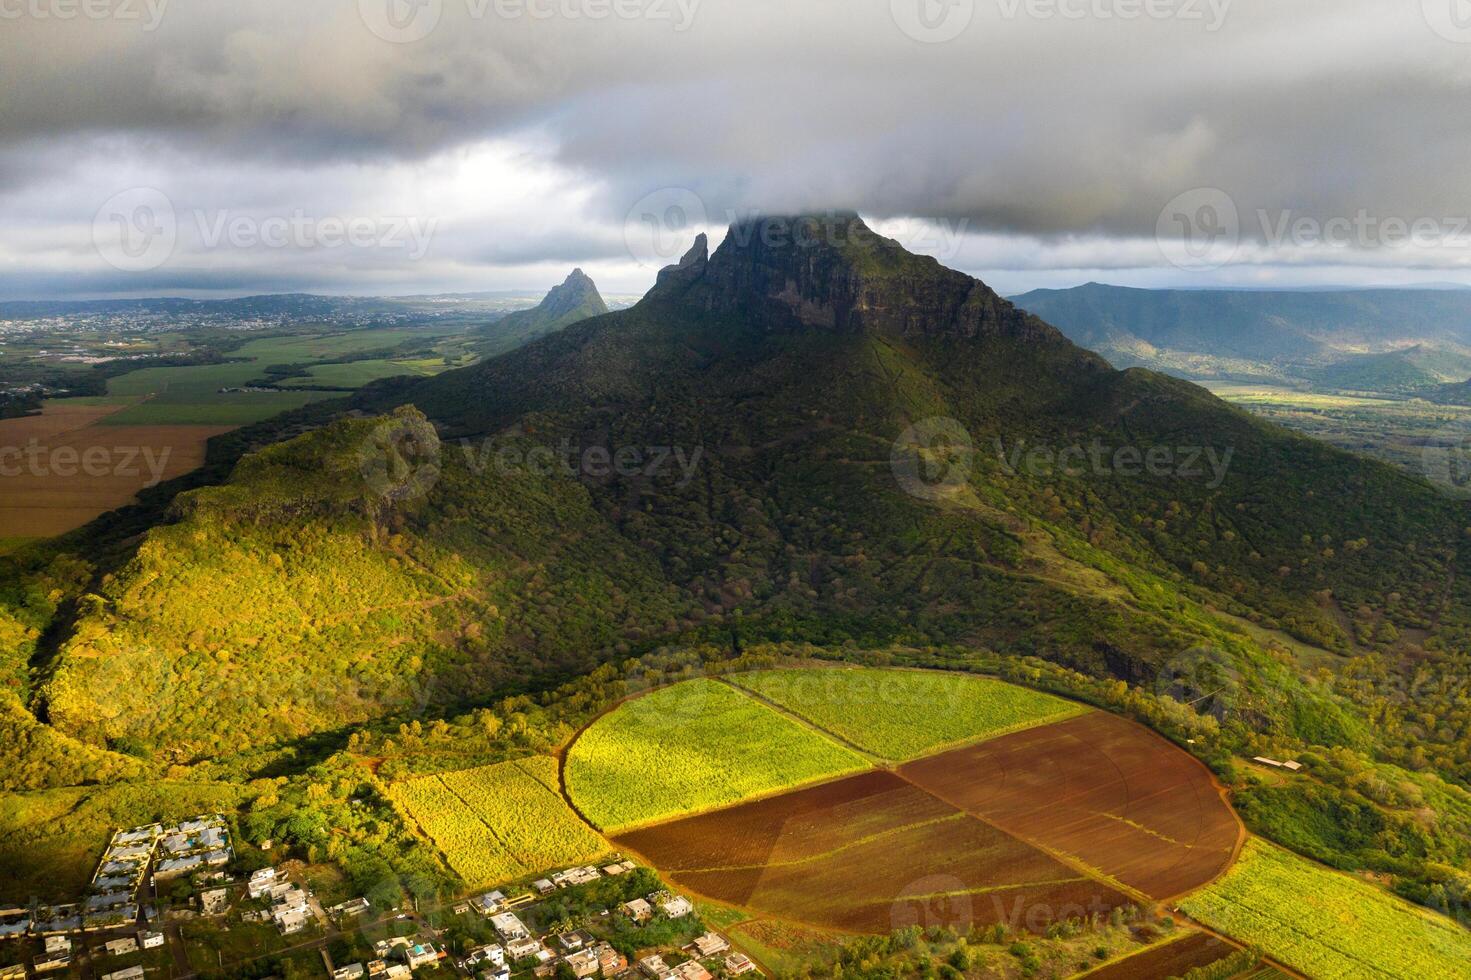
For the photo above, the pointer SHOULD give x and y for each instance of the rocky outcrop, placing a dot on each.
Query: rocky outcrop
(832, 272)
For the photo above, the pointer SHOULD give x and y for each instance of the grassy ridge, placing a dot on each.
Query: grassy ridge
(692, 747)
(1326, 924)
(903, 714)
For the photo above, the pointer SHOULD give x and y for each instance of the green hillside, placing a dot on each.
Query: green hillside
(833, 443)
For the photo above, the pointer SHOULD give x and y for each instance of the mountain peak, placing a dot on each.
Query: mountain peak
(831, 271)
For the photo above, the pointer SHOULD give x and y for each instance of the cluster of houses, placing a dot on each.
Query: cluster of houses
(112, 900)
(291, 908)
(580, 952)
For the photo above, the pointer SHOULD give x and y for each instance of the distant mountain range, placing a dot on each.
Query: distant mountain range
(1379, 340)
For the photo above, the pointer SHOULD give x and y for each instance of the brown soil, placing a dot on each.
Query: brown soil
(39, 501)
(1173, 959)
(870, 853)
(1106, 793)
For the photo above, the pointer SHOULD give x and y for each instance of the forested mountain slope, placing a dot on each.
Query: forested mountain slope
(812, 436)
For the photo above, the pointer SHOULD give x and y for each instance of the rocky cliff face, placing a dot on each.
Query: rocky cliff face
(835, 273)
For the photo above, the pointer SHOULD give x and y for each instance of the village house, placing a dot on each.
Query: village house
(610, 961)
(676, 907)
(491, 955)
(509, 927)
(573, 941)
(131, 973)
(488, 904)
(738, 963)
(58, 945)
(655, 968)
(543, 886)
(351, 971)
(420, 954)
(708, 945)
(638, 910)
(693, 970)
(52, 964)
(16, 972)
(583, 963)
(524, 949)
(356, 906)
(260, 882)
(121, 947)
(621, 868)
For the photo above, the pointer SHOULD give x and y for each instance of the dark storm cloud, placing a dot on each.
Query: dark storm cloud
(1071, 124)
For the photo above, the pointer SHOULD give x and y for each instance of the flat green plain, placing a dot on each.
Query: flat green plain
(191, 395)
(900, 715)
(695, 746)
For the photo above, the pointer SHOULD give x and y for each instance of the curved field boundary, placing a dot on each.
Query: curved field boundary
(1100, 792)
(1114, 812)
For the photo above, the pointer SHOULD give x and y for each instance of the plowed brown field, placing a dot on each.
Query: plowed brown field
(1104, 791)
(61, 469)
(868, 853)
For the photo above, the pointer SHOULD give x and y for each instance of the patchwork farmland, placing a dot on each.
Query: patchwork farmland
(1057, 811)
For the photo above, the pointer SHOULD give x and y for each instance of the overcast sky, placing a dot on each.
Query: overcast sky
(388, 146)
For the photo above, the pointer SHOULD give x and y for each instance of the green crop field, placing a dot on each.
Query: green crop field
(355, 374)
(191, 395)
(1326, 924)
(692, 747)
(500, 822)
(903, 714)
